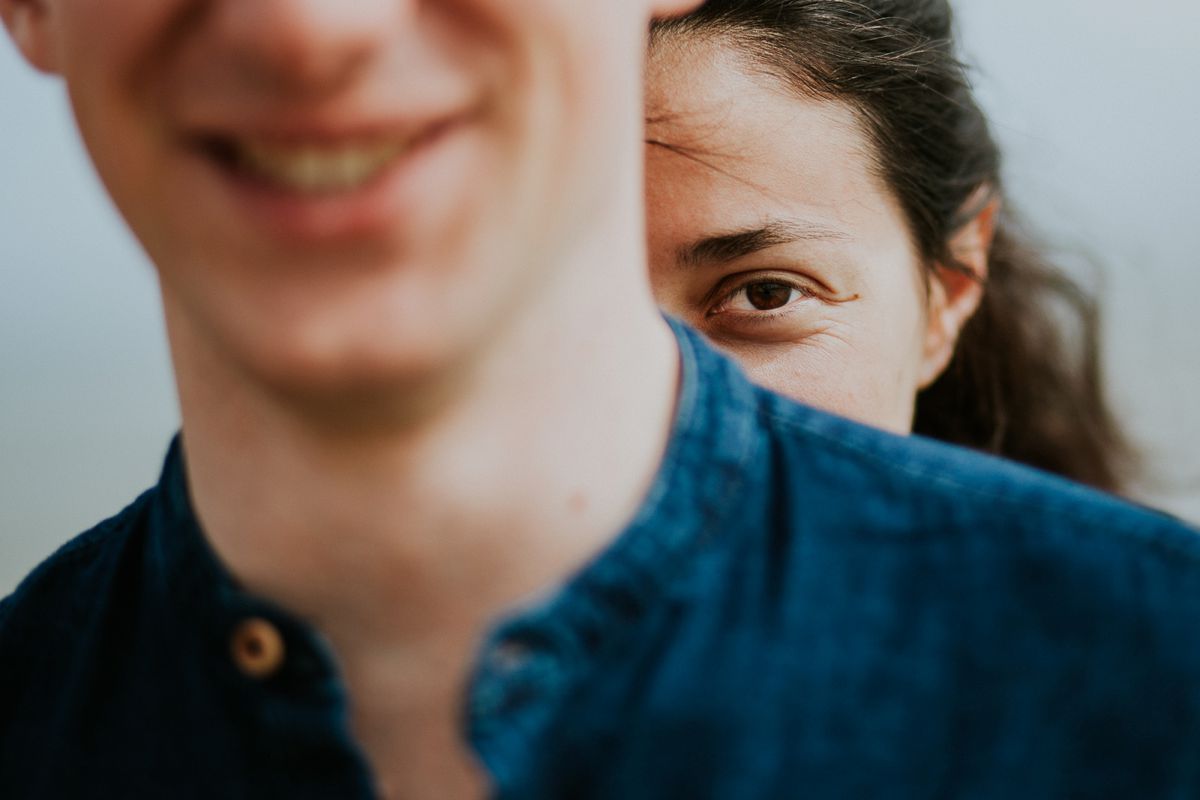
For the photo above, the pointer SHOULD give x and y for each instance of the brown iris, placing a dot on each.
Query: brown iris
(766, 296)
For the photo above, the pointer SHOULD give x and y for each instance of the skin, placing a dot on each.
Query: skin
(357, 367)
(781, 243)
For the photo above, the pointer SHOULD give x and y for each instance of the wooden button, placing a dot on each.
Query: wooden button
(508, 657)
(257, 648)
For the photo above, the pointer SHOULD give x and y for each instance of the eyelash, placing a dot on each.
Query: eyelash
(725, 293)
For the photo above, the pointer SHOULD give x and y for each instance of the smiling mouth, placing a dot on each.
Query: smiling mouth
(313, 167)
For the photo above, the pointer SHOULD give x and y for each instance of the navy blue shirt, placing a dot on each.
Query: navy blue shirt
(803, 607)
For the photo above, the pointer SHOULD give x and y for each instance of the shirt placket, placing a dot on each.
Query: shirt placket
(283, 684)
(521, 674)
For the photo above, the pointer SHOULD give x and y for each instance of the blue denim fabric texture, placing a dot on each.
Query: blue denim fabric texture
(804, 607)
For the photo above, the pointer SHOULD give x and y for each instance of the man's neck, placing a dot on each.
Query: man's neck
(533, 462)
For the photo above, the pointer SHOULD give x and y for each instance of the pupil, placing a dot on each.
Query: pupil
(768, 296)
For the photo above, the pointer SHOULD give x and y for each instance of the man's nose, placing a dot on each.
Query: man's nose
(309, 47)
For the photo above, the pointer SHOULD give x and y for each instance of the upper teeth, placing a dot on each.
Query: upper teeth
(318, 168)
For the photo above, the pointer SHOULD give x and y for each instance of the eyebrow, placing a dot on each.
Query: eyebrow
(725, 247)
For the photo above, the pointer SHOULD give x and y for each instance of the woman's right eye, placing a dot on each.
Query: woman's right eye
(761, 295)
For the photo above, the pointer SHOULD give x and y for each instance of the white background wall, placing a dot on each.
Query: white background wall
(1095, 102)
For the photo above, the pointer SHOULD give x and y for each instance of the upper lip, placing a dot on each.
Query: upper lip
(320, 130)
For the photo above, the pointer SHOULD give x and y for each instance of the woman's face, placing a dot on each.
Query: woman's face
(774, 236)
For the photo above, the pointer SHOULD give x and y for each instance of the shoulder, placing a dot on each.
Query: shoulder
(919, 539)
(829, 473)
(942, 581)
(933, 489)
(825, 503)
(70, 584)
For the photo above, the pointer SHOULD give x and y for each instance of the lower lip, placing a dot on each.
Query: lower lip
(374, 208)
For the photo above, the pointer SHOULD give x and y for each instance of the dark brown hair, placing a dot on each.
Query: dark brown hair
(1025, 379)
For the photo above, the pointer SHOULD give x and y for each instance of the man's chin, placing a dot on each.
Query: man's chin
(355, 390)
(321, 354)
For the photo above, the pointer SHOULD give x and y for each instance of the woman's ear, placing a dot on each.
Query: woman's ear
(28, 22)
(956, 292)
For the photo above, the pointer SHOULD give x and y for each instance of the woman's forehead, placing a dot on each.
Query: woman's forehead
(738, 138)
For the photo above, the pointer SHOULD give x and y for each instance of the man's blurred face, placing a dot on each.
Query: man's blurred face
(349, 192)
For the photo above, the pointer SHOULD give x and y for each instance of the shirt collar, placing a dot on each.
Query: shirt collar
(688, 504)
(537, 652)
